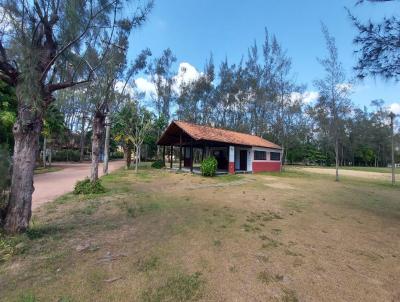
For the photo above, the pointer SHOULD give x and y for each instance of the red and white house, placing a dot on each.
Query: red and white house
(235, 152)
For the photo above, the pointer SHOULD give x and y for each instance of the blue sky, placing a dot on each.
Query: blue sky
(195, 28)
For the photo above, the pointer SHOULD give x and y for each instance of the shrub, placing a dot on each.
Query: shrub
(158, 164)
(66, 155)
(209, 166)
(7, 249)
(87, 187)
(116, 155)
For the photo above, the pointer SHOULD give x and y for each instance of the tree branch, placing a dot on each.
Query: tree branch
(76, 39)
(53, 87)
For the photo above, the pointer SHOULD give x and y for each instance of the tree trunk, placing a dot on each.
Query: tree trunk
(82, 142)
(98, 123)
(337, 158)
(128, 157)
(50, 156)
(18, 212)
(106, 149)
(44, 151)
(136, 158)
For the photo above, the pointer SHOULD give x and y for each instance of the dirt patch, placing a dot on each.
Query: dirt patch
(350, 173)
(280, 185)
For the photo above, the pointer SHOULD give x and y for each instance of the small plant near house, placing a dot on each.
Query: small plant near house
(209, 166)
(87, 187)
(158, 164)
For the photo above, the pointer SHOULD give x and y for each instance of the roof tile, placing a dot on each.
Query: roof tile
(199, 132)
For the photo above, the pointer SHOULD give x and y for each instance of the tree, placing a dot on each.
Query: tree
(45, 46)
(333, 104)
(124, 122)
(53, 124)
(378, 52)
(142, 127)
(164, 80)
(132, 125)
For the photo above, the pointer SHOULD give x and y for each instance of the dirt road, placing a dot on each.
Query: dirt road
(351, 173)
(49, 186)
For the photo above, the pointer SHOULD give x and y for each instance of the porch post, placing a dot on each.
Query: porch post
(170, 159)
(191, 156)
(203, 152)
(180, 152)
(231, 167)
(163, 155)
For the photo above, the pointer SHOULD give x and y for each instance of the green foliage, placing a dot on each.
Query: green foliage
(8, 113)
(88, 187)
(7, 249)
(116, 155)
(133, 127)
(158, 164)
(5, 179)
(66, 155)
(209, 166)
(53, 123)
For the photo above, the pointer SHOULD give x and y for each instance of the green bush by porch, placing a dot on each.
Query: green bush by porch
(208, 166)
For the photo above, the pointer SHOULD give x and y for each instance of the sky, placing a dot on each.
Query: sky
(226, 28)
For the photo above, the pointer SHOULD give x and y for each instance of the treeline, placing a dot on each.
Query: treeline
(260, 95)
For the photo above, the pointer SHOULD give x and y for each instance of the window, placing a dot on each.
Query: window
(275, 156)
(260, 155)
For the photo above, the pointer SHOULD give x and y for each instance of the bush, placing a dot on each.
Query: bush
(66, 155)
(116, 155)
(209, 166)
(158, 164)
(87, 187)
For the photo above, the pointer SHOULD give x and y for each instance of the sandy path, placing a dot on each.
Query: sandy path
(352, 173)
(49, 186)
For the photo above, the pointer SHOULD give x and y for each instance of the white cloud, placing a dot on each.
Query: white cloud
(119, 86)
(306, 97)
(186, 73)
(395, 108)
(146, 86)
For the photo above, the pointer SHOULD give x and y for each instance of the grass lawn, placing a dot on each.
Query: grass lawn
(41, 170)
(162, 236)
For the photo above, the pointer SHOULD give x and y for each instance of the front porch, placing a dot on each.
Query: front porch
(230, 159)
(196, 170)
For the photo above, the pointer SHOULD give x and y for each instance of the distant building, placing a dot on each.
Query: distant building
(235, 152)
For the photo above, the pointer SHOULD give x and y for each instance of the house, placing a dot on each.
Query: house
(235, 152)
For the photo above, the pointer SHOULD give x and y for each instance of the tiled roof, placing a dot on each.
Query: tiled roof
(199, 132)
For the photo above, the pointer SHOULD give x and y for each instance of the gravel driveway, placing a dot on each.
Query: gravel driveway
(49, 186)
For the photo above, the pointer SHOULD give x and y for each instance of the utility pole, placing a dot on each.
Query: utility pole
(392, 116)
(106, 145)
